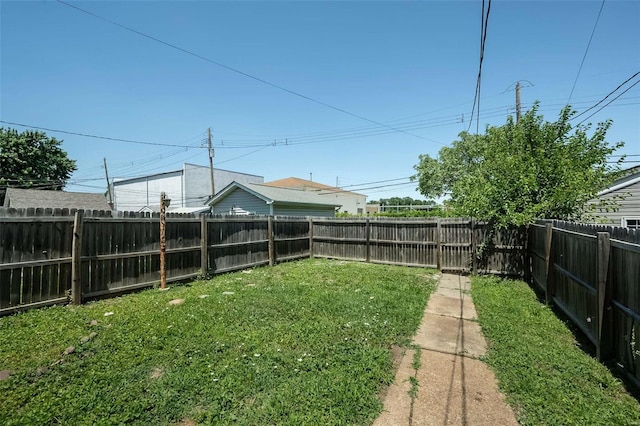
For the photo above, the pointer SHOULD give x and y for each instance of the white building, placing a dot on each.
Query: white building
(187, 187)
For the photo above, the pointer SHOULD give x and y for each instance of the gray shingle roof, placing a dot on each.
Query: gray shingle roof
(279, 195)
(37, 198)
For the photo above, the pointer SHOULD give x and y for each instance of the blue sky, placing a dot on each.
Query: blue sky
(410, 65)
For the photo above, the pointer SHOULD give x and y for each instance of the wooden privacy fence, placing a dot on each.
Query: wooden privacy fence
(51, 259)
(592, 274)
(449, 244)
(46, 260)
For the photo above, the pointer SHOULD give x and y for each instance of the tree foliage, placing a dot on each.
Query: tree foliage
(518, 172)
(402, 201)
(437, 211)
(31, 159)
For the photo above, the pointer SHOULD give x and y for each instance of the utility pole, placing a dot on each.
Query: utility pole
(337, 182)
(518, 102)
(106, 174)
(213, 188)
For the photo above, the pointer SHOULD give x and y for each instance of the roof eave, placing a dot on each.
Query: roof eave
(619, 186)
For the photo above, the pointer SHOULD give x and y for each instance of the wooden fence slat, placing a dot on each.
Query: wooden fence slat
(549, 283)
(439, 247)
(270, 236)
(76, 274)
(603, 346)
(204, 248)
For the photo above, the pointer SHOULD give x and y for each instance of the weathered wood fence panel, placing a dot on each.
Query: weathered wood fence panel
(501, 251)
(624, 324)
(574, 280)
(291, 238)
(450, 244)
(236, 243)
(340, 239)
(35, 261)
(412, 243)
(592, 274)
(456, 245)
(539, 250)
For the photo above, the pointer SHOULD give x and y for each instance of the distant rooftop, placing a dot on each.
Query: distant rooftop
(117, 180)
(38, 198)
(277, 195)
(306, 185)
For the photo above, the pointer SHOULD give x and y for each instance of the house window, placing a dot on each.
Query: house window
(631, 222)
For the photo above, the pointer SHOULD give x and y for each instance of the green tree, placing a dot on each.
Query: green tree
(402, 201)
(519, 172)
(31, 159)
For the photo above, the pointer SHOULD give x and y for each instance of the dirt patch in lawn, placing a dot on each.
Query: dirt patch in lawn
(156, 373)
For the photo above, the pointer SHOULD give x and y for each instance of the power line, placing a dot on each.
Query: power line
(375, 182)
(358, 132)
(609, 94)
(366, 188)
(401, 120)
(608, 103)
(483, 38)
(244, 155)
(86, 135)
(237, 71)
(355, 135)
(586, 51)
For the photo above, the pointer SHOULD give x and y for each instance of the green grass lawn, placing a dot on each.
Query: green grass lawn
(301, 343)
(546, 377)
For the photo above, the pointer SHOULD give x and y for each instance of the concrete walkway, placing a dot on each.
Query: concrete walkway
(453, 386)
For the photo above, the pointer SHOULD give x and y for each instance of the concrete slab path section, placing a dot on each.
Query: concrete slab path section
(453, 386)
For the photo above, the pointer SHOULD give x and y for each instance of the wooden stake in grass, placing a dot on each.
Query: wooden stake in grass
(164, 203)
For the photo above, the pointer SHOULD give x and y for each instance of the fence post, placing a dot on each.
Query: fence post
(474, 244)
(603, 347)
(367, 230)
(271, 243)
(438, 245)
(311, 237)
(76, 259)
(549, 284)
(204, 247)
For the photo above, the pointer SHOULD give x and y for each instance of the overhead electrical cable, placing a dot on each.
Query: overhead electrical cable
(86, 135)
(366, 188)
(593, 31)
(375, 182)
(372, 131)
(243, 155)
(608, 103)
(237, 71)
(609, 94)
(483, 38)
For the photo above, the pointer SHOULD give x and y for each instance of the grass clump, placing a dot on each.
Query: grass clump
(302, 342)
(546, 377)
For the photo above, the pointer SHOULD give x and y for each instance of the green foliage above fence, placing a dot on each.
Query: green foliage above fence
(519, 172)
